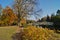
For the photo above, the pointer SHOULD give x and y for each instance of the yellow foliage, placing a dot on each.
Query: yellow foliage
(8, 16)
(33, 33)
(23, 21)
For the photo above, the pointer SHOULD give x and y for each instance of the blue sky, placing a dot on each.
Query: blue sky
(5, 3)
(48, 6)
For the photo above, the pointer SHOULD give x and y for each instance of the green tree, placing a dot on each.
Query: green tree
(58, 12)
(48, 18)
(56, 20)
(52, 15)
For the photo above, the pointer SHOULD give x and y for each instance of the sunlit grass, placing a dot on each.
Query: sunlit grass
(7, 32)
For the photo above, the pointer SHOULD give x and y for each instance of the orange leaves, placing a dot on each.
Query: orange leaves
(9, 14)
(23, 20)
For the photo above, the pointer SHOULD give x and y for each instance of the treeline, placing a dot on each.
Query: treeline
(53, 18)
(56, 20)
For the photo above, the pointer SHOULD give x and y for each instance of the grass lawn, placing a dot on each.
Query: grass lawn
(7, 32)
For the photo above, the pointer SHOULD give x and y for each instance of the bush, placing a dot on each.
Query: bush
(33, 33)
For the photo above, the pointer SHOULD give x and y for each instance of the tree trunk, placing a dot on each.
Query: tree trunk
(19, 16)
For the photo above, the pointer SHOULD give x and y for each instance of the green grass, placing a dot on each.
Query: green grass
(7, 32)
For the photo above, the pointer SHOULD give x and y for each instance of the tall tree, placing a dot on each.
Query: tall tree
(52, 16)
(24, 8)
(48, 18)
(58, 12)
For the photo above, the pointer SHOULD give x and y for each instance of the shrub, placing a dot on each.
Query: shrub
(33, 33)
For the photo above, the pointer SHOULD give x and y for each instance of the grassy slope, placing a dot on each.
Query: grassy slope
(7, 32)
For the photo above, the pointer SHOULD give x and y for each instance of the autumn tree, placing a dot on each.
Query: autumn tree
(25, 8)
(8, 16)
